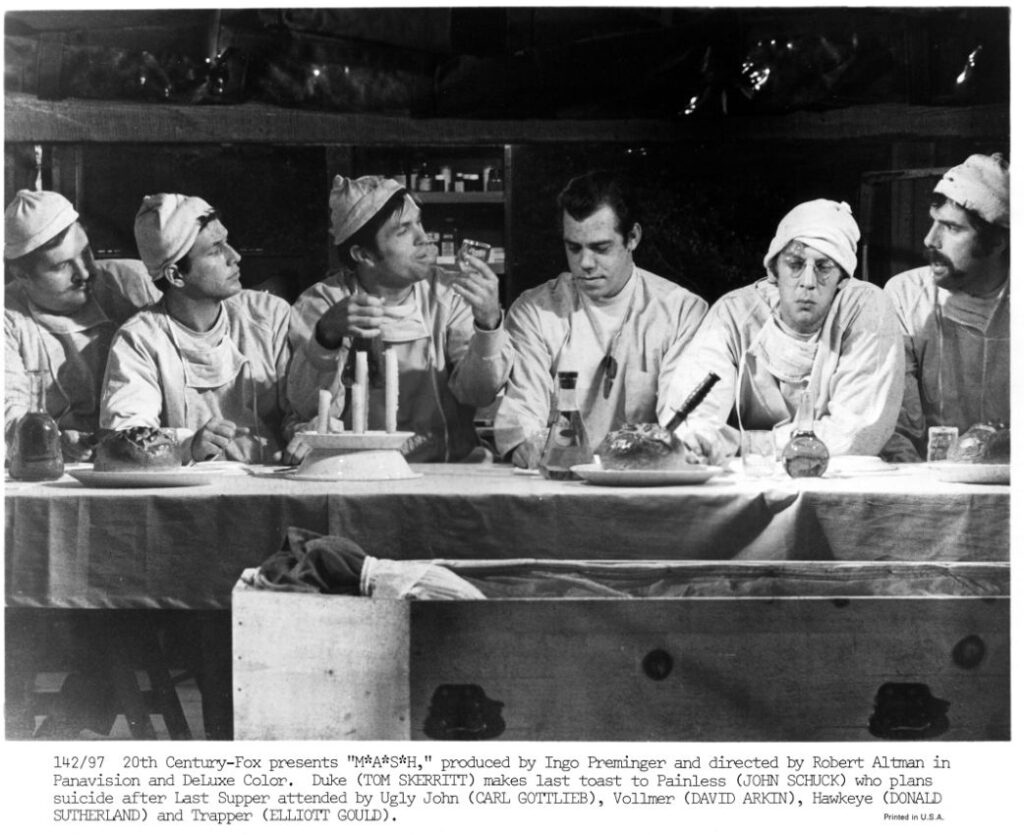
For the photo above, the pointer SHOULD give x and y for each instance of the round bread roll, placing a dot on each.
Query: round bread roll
(137, 448)
(645, 446)
(983, 443)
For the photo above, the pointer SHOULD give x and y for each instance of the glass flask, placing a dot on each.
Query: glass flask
(35, 447)
(567, 444)
(806, 454)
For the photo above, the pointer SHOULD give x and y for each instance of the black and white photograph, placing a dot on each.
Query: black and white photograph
(535, 415)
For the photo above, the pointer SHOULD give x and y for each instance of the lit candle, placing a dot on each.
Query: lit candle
(359, 392)
(323, 412)
(390, 391)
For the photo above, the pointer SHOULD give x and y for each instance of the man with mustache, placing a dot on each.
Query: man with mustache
(61, 308)
(453, 355)
(809, 324)
(621, 328)
(955, 313)
(209, 360)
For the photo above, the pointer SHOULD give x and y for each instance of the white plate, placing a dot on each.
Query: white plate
(594, 474)
(857, 464)
(972, 473)
(142, 478)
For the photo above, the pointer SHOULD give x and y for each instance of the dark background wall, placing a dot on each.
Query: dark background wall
(732, 116)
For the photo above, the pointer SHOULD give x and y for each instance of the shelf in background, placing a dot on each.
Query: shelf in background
(460, 197)
(30, 119)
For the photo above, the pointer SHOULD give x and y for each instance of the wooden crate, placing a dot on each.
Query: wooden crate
(694, 668)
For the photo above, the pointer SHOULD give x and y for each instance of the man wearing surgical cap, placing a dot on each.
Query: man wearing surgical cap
(208, 360)
(61, 308)
(955, 313)
(808, 324)
(453, 355)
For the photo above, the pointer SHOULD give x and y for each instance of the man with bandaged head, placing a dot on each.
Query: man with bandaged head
(209, 359)
(955, 313)
(453, 355)
(61, 308)
(808, 324)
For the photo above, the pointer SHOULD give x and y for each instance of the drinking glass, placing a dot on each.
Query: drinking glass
(758, 451)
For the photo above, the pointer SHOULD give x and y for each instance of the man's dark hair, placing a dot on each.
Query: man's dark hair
(366, 235)
(989, 234)
(185, 263)
(585, 194)
(28, 261)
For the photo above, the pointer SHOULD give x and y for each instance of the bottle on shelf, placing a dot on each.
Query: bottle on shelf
(446, 177)
(567, 443)
(806, 454)
(35, 448)
(424, 182)
(495, 181)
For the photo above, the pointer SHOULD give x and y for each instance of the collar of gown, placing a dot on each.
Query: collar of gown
(211, 358)
(788, 358)
(404, 322)
(87, 316)
(973, 311)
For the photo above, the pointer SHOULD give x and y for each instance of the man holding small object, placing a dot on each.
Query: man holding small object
(621, 328)
(209, 360)
(452, 354)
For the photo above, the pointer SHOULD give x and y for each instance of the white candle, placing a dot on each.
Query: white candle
(359, 394)
(390, 391)
(323, 412)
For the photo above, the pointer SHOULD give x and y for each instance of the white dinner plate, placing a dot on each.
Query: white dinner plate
(142, 478)
(594, 474)
(972, 473)
(857, 465)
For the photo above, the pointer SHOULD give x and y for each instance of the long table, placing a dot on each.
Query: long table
(184, 547)
(178, 551)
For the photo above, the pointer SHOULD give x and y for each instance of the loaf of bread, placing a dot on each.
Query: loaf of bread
(983, 443)
(137, 448)
(645, 446)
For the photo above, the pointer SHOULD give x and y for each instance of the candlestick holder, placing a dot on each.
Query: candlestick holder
(352, 456)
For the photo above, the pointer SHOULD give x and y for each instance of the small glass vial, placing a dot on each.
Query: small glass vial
(35, 447)
(805, 456)
(941, 441)
(567, 444)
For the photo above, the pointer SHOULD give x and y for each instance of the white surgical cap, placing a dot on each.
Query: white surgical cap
(33, 218)
(166, 227)
(354, 202)
(981, 184)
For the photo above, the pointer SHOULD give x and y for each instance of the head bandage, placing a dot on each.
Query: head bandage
(825, 225)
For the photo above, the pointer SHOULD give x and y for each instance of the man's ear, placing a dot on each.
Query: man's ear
(633, 238)
(173, 276)
(361, 255)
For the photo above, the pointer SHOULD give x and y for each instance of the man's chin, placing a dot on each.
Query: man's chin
(946, 278)
(594, 288)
